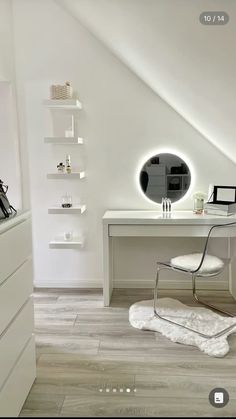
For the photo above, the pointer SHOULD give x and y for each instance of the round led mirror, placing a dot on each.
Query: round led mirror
(165, 175)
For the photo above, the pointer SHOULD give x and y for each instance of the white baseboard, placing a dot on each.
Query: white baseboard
(73, 283)
(131, 283)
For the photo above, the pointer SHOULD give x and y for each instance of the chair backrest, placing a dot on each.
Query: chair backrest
(221, 242)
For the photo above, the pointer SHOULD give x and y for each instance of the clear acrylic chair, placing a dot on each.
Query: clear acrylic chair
(219, 251)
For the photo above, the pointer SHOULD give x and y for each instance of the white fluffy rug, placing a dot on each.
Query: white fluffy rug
(203, 320)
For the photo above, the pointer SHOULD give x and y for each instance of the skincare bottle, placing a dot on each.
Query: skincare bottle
(163, 204)
(68, 164)
(167, 205)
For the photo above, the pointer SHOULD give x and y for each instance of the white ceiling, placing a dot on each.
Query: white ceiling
(191, 66)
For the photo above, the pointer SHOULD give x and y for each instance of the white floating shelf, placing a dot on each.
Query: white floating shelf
(75, 209)
(63, 104)
(60, 243)
(73, 175)
(64, 140)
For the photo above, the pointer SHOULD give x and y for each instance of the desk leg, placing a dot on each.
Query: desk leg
(232, 271)
(232, 279)
(107, 266)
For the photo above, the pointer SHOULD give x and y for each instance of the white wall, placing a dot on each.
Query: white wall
(6, 43)
(190, 65)
(123, 122)
(9, 141)
(9, 156)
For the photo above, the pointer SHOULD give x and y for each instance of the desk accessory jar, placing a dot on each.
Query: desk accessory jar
(198, 202)
(68, 235)
(66, 201)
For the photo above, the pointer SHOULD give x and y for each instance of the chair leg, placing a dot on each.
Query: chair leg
(156, 288)
(216, 335)
(204, 303)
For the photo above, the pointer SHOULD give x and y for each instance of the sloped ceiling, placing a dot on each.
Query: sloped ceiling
(191, 66)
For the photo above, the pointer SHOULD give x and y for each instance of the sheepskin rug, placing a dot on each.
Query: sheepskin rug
(141, 316)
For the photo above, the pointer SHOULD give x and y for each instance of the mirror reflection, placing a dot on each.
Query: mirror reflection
(165, 176)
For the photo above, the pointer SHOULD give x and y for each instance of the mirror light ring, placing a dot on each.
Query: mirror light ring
(175, 152)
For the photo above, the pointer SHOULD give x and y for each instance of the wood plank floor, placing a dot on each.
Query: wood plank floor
(91, 362)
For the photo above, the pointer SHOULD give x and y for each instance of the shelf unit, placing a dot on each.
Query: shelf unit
(73, 175)
(184, 183)
(63, 104)
(75, 209)
(60, 243)
(64, 140)
(176, 190)
(177, 174)
(77, 241)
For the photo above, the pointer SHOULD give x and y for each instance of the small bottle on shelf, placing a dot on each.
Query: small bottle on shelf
(68, 164)
(61, 167)
(69, 132)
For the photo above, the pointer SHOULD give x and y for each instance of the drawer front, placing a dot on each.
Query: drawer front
(14, 292)
(15, 338)
(15, 248)
(18, 384)
(158, 230)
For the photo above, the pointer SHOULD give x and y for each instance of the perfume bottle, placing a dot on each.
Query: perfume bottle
(168, 203)
(68, 164)
(164, 204)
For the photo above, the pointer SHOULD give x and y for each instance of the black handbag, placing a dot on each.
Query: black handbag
(6, 209)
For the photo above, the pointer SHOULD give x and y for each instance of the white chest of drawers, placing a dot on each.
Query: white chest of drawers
(17, 348)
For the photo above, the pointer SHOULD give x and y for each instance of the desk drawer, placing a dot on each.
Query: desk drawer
(15, 248)
(14, 292)
(14, 339)
(138, 230)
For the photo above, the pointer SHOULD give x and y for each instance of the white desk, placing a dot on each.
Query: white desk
(153, 224)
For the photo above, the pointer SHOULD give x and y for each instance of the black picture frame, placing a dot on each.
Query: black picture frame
(215, 193)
